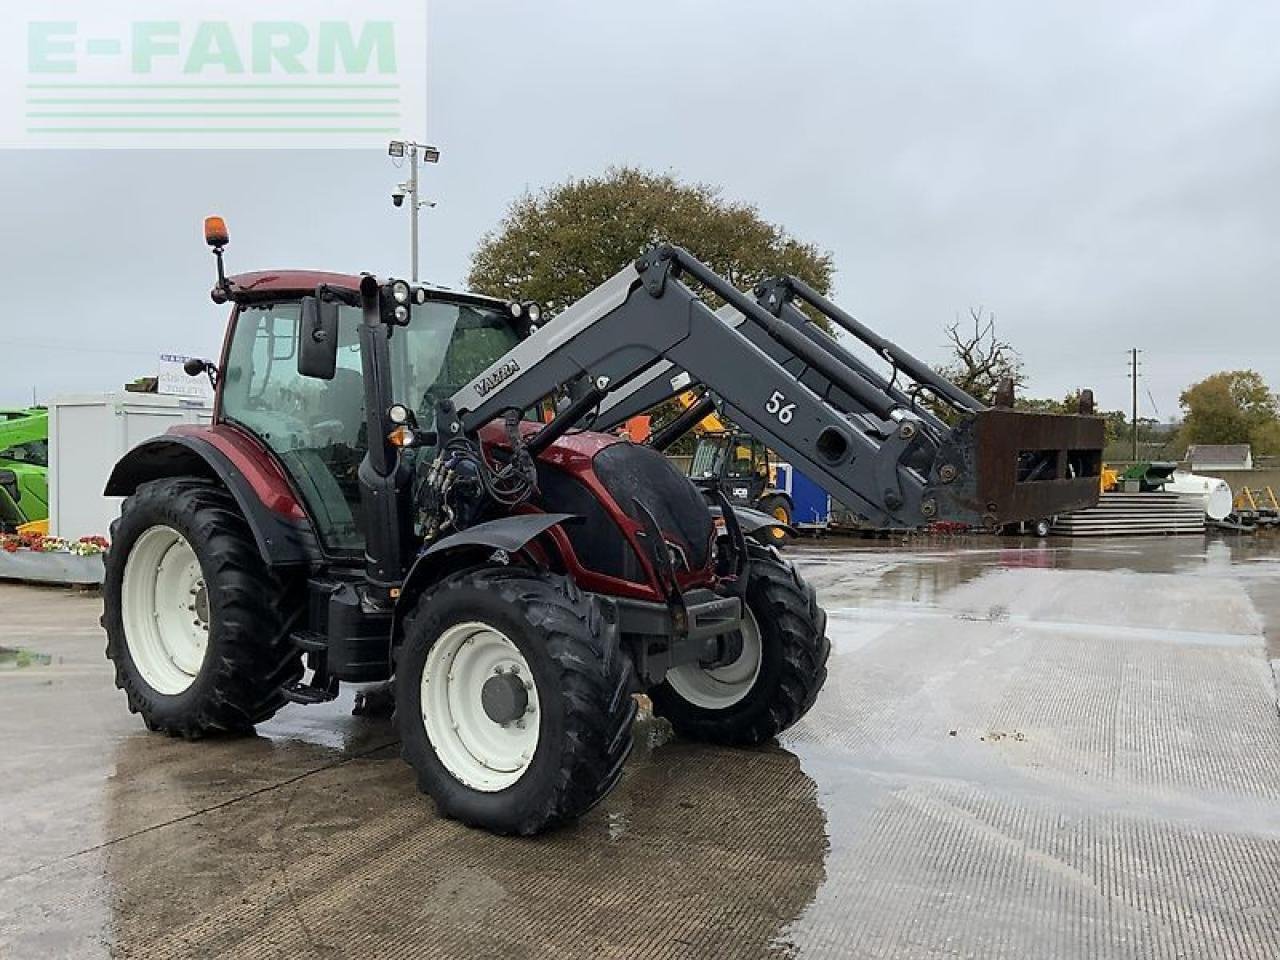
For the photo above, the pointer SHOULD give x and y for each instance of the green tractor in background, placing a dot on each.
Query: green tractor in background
(24, 467)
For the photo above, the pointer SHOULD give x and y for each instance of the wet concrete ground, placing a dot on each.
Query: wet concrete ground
(1024, 750)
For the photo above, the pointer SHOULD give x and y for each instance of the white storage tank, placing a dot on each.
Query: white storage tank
(88, 434)
(1215, 493)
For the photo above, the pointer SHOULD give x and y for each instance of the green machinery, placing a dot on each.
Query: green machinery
(24, 466)
(1149, 475)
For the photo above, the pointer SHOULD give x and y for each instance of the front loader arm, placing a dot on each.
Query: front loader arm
(645, 316)
(645, 333)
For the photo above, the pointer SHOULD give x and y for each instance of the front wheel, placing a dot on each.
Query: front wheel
(780, 667)
(513, 699)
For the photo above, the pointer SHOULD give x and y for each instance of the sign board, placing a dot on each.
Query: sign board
(173, 380)
(238, 74)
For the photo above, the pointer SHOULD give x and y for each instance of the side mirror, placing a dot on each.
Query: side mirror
(318, 339)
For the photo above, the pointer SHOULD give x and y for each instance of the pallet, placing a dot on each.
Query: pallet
(1136, 514)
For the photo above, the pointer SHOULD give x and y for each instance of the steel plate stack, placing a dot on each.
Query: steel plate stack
(1120, 514)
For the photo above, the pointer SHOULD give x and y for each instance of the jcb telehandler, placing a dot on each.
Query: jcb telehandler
(400, 482)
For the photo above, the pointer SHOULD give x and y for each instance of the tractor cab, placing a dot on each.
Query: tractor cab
(317, 426)
(737, 461)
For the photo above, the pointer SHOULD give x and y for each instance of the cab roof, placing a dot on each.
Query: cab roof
(260, 285)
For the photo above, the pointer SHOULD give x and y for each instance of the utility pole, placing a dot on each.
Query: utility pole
(409, 189)
(1133, 422)
(413, 210)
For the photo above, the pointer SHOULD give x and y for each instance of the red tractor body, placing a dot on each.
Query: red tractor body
(518, 577)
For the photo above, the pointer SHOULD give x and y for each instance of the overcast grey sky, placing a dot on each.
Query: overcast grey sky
(1102, 175)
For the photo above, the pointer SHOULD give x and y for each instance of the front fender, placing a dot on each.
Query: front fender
(753, 521)
(280, 527)
(466, 547)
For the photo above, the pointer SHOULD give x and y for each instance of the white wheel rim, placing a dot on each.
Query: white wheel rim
(721, 687)
(479, 751)
(165, 609)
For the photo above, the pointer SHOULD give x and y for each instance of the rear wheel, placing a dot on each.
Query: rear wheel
(1042, 527)
(778, 507)
(195, 620)
(513, 699)
(776, 677)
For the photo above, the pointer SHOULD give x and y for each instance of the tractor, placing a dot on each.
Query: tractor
(345, 520)
(408, 484)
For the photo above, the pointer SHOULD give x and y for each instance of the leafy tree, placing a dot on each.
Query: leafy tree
(1234, 406)
(980, 360)
(557, 245)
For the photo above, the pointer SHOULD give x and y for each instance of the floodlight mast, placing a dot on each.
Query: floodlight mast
(399, 149)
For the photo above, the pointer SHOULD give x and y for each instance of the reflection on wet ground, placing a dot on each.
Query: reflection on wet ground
(1024, 749)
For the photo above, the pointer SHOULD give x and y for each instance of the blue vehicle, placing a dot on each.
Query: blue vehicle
(811, 505)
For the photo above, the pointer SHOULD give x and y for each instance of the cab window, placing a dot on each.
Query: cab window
(315, 427)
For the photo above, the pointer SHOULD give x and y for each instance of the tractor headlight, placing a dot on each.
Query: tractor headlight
(400, 292)
(420, 296)
(401, 313)
(534, 311)
(516, 309)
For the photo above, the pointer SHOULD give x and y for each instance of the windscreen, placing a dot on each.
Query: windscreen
(444, 347)
(318, 427)
(708, 457)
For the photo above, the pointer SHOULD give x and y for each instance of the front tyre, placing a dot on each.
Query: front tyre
(513, 699)
(195, 620)
(776, 677)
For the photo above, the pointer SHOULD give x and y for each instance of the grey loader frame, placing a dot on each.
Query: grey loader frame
(645, 335)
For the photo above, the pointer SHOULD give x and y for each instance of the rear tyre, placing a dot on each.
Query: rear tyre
(778, 507)
(1042, 527)
(513, 699)
(776, 678)
(195, 620)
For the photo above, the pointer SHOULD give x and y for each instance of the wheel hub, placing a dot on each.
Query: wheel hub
(165, 610)
(480, 706)
(504, 698)
(200, 604)
(720, 686)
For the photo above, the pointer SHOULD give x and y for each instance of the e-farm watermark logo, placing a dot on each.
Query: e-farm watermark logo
(231, 74)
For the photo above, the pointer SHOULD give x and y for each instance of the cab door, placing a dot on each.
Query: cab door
(316, 428)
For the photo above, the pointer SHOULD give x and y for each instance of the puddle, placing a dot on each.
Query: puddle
(16, 658)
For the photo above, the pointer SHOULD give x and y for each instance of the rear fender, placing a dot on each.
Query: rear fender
(468, 548)
(279, 524)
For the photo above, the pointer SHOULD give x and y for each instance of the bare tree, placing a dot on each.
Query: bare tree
(980, 360)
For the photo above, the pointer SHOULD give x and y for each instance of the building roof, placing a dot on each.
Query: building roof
(1219, 453)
